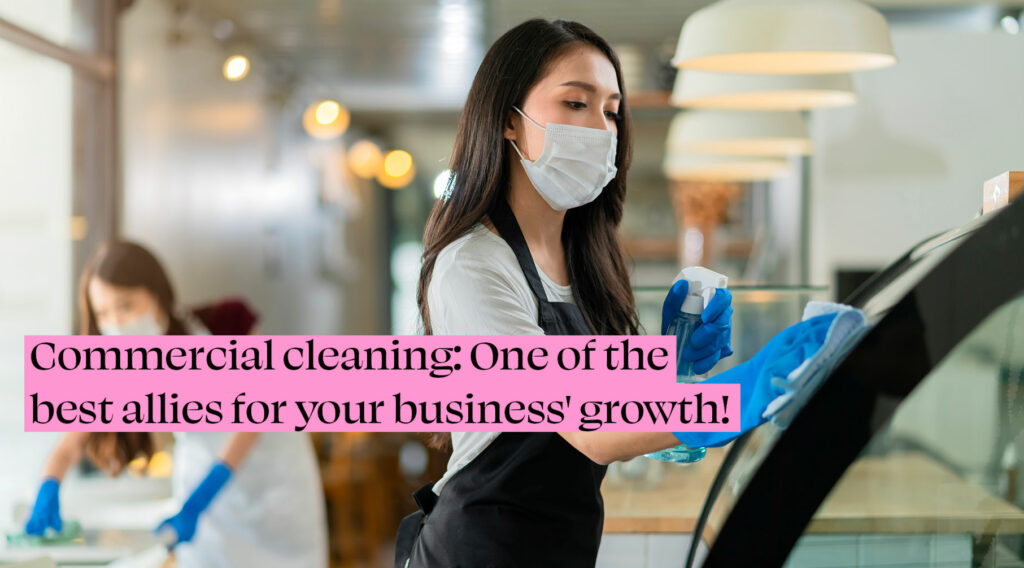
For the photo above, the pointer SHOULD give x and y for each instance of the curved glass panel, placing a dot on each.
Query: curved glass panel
(938, 486)
(907, 455)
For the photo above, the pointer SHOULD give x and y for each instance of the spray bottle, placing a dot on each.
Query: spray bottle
(702, 285)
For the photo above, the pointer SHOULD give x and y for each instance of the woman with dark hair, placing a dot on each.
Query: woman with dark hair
(525, 242)
(247, 499)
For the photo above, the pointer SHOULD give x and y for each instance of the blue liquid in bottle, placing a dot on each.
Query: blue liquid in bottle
(682, 326)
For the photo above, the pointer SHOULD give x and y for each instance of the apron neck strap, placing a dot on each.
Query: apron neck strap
(505, 221)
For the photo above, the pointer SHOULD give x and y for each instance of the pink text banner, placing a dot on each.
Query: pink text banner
(370, 383)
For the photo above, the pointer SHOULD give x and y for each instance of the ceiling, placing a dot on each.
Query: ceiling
(422, 54)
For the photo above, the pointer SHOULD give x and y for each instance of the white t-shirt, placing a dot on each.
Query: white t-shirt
(478, 288)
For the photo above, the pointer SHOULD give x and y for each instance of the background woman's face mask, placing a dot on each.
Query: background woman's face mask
(124, 310)
(145, 324)
(574, 166)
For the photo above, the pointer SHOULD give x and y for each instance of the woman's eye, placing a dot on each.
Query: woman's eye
(577, 105)
(612, 115)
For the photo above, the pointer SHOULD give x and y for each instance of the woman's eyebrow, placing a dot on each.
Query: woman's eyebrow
(589, 88)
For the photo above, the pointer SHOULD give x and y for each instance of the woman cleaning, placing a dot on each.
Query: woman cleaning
(247, 499)
(525, 242)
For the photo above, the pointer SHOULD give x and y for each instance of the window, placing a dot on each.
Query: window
(57, 188)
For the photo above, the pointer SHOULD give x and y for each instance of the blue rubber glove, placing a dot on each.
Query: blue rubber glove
(784, 353)
(184, 523)
(710, 342)
(46, 511)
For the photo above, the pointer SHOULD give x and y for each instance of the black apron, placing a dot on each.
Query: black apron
(529, 499)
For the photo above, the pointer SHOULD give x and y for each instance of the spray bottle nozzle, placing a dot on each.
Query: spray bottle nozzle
(702, 285)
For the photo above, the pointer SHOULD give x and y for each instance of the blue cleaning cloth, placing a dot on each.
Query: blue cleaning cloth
(847, 328)
(779, 358)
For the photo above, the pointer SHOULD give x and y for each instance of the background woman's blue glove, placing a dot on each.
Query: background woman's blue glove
(711, 340)
(783, 354)
(46, 511)
(184, 523)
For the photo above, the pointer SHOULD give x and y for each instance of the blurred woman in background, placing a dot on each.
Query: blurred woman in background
(247, 499)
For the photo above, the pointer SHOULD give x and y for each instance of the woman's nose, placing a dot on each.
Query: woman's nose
(120, 318)
(600, 121)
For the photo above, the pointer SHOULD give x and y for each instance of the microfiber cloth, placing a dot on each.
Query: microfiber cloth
(70, 532)
(798, 386)
(786, 370)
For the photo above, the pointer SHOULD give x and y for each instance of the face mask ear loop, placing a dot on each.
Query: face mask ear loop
(528, 118)
(521, 156)
(516, 148)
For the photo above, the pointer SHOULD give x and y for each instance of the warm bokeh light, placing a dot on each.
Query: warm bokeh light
(236, 67)
(398, 170)
(79, 227)
(327, 112)
(365, 159)
(395, 182)
(160, 465)
(397, 163)
(325, 119)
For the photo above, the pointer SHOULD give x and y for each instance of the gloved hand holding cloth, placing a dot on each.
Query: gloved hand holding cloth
(184, 523)
(781, 368)
(46, 510)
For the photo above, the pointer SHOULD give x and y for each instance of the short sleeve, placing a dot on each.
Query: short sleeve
(469, 297)
(477, 288)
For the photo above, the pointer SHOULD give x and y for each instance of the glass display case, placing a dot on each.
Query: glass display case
(652, 504)
(908, 454)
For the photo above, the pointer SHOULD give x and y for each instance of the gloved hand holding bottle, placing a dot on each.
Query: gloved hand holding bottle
(698, 312)
(182, 527)
(46, 510)
(710, 339)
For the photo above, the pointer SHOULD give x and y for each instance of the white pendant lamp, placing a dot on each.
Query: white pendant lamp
(678, 167)
(707, 90)
(785, 37)
(738, 133)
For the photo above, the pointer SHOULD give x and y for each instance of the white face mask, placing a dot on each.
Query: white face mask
(145, 324)
(574, 166)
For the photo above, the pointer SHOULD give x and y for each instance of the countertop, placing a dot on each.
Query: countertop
(901, 493)
(118, 516)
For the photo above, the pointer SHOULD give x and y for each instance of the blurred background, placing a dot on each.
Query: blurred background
(289, 153)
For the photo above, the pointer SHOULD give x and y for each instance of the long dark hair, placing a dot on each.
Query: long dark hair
(126, 264)
(480, 163)
(130, 265)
